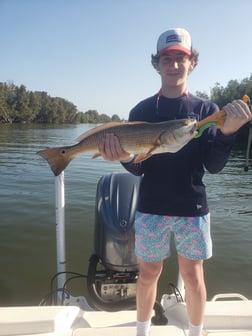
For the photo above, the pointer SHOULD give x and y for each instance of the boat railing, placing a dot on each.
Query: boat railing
(229, 296)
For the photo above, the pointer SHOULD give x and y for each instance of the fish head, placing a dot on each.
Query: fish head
(177, 133)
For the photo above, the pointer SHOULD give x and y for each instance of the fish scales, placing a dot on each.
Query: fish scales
(133, 137)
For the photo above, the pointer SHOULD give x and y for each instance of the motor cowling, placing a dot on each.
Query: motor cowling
(113, 267)
(116, 202)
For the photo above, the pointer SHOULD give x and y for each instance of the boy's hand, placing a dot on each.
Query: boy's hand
(238, 114)
(111, 149)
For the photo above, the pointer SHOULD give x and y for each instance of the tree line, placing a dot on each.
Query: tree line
(18, 105)
(234, 90)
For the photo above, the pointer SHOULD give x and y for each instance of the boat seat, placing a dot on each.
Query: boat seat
(37, 320)
(219, 315)
(229, 314)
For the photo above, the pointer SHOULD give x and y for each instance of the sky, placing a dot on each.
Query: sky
(96, 53)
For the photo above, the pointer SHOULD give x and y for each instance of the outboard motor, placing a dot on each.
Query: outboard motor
(113, 268)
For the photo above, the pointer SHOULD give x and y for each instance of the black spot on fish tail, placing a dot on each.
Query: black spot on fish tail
(57, 159)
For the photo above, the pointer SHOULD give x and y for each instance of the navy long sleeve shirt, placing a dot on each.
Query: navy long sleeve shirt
(172, 183)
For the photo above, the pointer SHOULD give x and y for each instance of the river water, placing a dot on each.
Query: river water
(27, 222)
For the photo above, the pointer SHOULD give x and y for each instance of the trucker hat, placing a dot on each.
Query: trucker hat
(174, 39)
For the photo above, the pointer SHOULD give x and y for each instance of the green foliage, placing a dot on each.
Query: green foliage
(203, 95)
(224, 95)
(17, 105)
(115, 117)
(234, 90)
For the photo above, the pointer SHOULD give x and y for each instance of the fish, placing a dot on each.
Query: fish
(143, 139)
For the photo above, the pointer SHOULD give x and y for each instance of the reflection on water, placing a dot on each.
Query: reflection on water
(27, 226)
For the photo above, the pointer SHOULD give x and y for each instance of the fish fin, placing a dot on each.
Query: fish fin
(98, 129)
(136, 122)
(57, 158)
(152, 149)
(96, 155)
(106, 126)
(141, 157)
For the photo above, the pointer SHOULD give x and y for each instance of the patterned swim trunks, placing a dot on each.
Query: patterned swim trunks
(153, 235)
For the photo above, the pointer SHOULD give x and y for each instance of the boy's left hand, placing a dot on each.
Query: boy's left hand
(238, 114)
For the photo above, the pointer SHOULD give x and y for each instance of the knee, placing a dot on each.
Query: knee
(149, 272)
(193, 280)
(192, 273)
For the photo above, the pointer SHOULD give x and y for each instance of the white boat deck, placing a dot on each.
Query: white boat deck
(222, 318)
(129, 331)
(155, 331)
(235, 315)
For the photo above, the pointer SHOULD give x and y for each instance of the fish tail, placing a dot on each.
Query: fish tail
(57, 158)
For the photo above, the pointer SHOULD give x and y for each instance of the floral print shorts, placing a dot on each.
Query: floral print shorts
(153, 236)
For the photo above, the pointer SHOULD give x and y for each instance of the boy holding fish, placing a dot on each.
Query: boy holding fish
(172, 197)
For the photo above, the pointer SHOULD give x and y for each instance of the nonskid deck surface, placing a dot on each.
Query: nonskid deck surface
(102, 319)
(155, 331)
(129, 331)
(227, 332)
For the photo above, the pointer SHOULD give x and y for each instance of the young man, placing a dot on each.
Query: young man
(172, 195)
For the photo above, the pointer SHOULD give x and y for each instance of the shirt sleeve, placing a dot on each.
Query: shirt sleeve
(216, 150)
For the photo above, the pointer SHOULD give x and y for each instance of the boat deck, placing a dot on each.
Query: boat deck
(155, 331)
(233, 318)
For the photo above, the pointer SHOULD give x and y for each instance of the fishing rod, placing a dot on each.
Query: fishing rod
(248, 148)
(249, 143)
(216, 119)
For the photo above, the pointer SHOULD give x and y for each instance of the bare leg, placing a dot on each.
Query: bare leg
(195, 290)
(147, 288)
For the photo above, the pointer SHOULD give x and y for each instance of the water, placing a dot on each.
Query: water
(27, 222)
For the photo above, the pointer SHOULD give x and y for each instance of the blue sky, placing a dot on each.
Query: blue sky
(96, 53)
